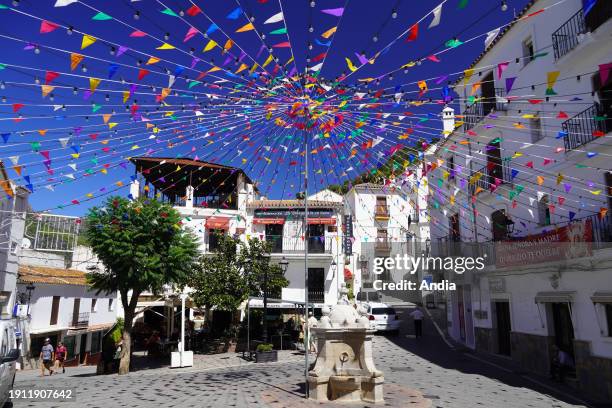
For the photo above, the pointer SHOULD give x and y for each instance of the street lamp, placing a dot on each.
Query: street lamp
(284, 264)
(266, 259)
(30, 288)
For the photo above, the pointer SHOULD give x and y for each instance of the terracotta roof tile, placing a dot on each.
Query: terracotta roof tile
(52, 276)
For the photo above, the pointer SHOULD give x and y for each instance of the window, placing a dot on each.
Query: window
(451, 167)
(528, 51)
(54, 310)
(381, 207)
(75, 311)
(535, 126)
(93, 305)
(111, 307)
(608, 313)
(96, 342)
(543, 211)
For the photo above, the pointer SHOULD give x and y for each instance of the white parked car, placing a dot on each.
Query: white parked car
(383, 317)
(9, 353)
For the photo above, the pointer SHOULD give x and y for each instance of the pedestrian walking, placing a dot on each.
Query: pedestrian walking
(46, 357)
(417, 316)
(60, 356)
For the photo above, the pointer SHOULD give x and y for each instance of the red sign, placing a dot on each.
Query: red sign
(572, 241)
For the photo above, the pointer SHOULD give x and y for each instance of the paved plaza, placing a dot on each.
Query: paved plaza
(447, 376)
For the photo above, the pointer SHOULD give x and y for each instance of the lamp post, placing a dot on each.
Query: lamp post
(30, 288)
(266, 259)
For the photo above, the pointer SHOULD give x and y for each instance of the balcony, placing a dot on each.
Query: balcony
(80, 320)
(568, 35)
(581, 127)
(502, 172)
(475, 113)
(382, 245)
(382, 212)
(316, 295)
(290, 245)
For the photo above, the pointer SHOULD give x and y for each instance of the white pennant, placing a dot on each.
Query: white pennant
(171, 80)
(275, 18)
(14, 160)
(316, 67)
(73, 166)
(64, 141)
(63, 3)
(490, 37)
(437, 15)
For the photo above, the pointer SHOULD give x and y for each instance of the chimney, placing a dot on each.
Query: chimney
(448, 120)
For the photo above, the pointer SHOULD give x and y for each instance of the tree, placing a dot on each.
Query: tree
(142, 247)
(234, 272)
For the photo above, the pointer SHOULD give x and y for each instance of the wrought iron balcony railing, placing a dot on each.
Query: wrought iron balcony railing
(475, 113)
(316, 244)
(497, 175)
(80, 319)
(583, 127)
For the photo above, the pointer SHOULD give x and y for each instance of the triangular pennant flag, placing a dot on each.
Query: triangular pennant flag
(165, 46)
(211, 44)
(101, 17)
(437, 14)
(87, 41)
(334, 12)
(93, 84)
(47, 27)
(275, 18)
(245, 28)
(75, 60)
(509, 84)
(46, 90)
(413, 33)
(190, 34)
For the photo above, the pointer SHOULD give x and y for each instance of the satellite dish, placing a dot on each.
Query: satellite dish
(26, 243)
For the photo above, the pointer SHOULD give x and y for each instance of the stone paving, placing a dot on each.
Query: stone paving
(449, 378)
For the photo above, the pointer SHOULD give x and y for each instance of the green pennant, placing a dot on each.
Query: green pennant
(2, 66)
(462, 4)
(101, 17)
(35, 146)
(95, 107)
(169, 12)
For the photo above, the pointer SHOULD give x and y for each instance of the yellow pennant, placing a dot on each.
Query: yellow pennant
(93, 84)
(46, 90)
(87, 41)
(269, 60)
(245, 28)
(166, 46)
(350, 65)
(211, 44)
(329, 32)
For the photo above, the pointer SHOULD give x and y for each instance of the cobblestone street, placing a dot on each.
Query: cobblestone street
(448, 377)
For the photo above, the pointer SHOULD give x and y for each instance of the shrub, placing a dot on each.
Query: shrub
(264, 347)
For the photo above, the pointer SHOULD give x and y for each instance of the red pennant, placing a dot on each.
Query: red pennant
(17, 107)
(50, 76)
(598, 133)
(562, 115)
(138, 34)
(142, 73)
(413, 33)
(194, 11)
(529, 164)
(47, 27)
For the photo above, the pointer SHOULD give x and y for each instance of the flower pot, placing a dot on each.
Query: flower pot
(266, 356)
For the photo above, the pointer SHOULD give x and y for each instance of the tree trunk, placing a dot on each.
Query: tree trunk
(129, 308)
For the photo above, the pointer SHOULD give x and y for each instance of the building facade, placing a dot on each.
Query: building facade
(524, 174)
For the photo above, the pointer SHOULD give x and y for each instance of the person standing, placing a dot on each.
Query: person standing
(312, 339)
(417, 316)
(46, 357)
(60, 356)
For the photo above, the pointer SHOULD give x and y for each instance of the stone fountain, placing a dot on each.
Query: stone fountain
(344, 370)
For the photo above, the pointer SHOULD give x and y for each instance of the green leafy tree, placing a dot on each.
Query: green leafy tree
(142, 247)
(234, 271)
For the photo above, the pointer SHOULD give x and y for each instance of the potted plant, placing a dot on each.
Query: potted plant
(265, 354)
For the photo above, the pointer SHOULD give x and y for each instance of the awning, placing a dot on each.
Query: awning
(268, 220)
(217, 223)
(561, 296)
(326, 221)
(602, 297)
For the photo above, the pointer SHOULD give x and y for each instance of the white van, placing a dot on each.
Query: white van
(9, 353)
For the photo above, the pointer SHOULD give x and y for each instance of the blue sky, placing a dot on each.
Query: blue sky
(74, 138)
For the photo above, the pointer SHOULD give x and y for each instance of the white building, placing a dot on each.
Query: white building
(281, 222)
(13, 207)
(531, 164)
(384, 223)
(59, 304)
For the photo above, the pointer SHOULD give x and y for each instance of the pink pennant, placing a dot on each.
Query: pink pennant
(190, 34)
(138, 33)
(282, 45)
(47, 27)
(501, 67)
